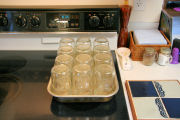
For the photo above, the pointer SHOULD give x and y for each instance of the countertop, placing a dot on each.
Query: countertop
(142, 72)
(24, 77)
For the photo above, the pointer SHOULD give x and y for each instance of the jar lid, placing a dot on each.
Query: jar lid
(150, 50)
(165, 50)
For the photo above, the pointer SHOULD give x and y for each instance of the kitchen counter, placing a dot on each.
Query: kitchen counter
(142, 72)
(24, 76)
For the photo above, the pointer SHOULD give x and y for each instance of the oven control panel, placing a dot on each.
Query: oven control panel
(101, 20)
(63, 20)
(60, 20)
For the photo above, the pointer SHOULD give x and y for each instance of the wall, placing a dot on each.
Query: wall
(151, 12)
(148, 18)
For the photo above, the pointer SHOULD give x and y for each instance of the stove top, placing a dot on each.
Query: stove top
(24, 76)
(10, 88)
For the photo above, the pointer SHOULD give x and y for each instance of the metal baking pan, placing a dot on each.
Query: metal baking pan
(83, 98)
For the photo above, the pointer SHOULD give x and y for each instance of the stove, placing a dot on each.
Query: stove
(29, 39)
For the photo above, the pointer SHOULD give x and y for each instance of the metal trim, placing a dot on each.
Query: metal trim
(22, 33)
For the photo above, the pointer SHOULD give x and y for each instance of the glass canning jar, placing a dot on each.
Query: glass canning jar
(149, 56)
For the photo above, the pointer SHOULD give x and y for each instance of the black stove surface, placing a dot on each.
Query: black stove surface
(24, 76)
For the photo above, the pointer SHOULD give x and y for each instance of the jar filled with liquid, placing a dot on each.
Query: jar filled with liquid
(149, 56)
(164, 56)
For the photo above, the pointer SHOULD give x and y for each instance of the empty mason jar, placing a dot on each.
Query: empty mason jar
(101, 45)
(83, 46)
(83, 40)
(104, 79)
(101, 41)
(66, 46)
(66, 50)
(64, 59)
(103, 58)
(84, 59)
(66, 42)
(82, 80)
(101, 49)
(61, 79)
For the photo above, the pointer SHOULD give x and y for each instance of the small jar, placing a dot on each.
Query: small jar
(101, 41)
(164, 56)
(149, 56)
(83, 46)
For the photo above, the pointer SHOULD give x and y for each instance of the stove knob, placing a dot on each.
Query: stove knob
(21, 21)
(108, 21)
(94, 21)
(35, 21)
(3, 21)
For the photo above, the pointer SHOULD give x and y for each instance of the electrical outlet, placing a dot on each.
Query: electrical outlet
(139, 4)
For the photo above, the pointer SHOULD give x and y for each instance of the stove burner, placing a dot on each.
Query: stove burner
(11, 64)
(10, 87)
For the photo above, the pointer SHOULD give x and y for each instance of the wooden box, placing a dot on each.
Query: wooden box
(138, 50)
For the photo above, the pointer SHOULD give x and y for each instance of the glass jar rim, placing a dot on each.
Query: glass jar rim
(165, 50)
(150, 50)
